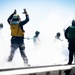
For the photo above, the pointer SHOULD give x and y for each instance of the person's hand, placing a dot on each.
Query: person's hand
(25, 12)
(15, 11)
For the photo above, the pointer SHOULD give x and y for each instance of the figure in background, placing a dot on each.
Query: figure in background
(35, 38)
(17, 33)
(69, 34)
(58, 36)
(1, 25)
(58, 49)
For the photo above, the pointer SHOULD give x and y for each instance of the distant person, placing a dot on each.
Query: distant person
(36, 36)
(1, 25)
(70, 36)
(58, 48)
(17, 33)
(58, 34)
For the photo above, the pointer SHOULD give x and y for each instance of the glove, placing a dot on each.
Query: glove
(14, 11)
(25, 12)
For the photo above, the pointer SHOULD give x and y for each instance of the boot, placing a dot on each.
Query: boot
(25, 60)
(10, 58)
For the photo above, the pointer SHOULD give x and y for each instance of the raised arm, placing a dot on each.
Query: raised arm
(10, 17)
(27, 18)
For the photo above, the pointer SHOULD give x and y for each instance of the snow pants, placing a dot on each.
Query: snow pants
(71, 48)
(17, 42)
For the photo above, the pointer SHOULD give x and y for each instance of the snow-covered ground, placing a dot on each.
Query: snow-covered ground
(45, 52)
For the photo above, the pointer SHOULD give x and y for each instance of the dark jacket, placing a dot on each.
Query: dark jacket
(21, 22)
(66, 34)
(14, 39)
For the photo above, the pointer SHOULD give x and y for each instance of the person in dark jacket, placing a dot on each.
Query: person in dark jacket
(70, 36)
(17, 33)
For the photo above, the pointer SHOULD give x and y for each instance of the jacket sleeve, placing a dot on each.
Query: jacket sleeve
(10, 18)
(26, 20)
(66, 33)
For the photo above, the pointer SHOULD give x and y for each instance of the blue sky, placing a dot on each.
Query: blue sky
(45, 14)
(36, 6)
